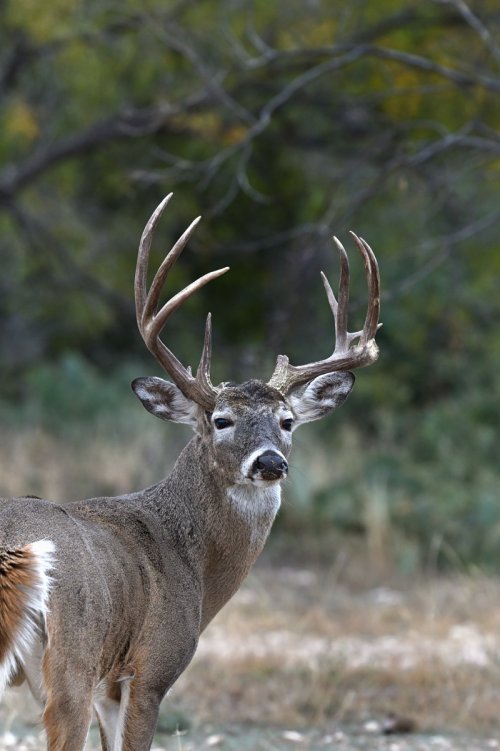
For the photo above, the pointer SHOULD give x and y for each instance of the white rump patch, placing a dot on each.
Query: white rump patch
(36, 606)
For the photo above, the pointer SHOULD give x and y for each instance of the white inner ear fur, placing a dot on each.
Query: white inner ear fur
(321, 396)
(165, 400)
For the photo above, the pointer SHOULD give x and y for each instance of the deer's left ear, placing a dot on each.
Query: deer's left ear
(321, 396)
(165, 400)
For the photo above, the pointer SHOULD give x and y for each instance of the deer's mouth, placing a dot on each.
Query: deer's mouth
(272, 476)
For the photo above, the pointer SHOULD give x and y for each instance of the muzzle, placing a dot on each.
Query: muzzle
(269, 466)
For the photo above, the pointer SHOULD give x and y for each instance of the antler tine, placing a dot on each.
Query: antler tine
(371, 324)
(158, 322)
(341, 343)
(347, 354)
(332, 300)
(166, 265)
(203, 372)
(151, 323)
(141, 270)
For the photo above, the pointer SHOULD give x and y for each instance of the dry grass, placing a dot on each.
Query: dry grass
(309, 650)
(298, 649)
(99, 459)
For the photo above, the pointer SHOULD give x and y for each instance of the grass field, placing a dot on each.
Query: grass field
(317, 658)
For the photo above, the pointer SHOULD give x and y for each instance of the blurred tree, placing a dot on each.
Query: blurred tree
(281, 123)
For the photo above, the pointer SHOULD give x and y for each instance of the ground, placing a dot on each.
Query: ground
(311, 658)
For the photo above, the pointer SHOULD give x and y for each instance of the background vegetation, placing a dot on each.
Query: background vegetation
(280, 123)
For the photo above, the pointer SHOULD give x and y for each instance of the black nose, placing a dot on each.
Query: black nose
(270, 466)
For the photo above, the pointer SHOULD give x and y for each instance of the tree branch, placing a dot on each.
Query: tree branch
(475, 23)
(423, 63)
(132, 123)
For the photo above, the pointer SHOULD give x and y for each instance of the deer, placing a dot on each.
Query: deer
(102, 601)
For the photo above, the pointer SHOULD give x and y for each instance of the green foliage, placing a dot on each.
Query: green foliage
(70, 393)
(426, 485)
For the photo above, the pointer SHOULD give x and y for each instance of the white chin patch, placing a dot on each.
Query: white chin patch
(258, 482)
(255, 499)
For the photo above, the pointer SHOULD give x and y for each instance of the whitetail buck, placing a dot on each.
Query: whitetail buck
(102, 601)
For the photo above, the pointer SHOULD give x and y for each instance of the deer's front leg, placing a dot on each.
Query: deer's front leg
(110, 711)
(155, 668)
(141, 716)
(124, 723)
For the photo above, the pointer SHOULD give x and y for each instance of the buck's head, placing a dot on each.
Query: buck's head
(248, 433)
(247, 428)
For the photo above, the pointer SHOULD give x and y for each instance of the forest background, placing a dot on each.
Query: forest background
(282, 124)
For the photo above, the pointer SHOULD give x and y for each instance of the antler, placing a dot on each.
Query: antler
(345, 356)
(151, 322)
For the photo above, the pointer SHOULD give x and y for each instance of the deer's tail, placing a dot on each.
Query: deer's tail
(24, 591)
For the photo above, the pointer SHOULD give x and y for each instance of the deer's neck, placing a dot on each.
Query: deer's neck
(230, 522)
(237, 529)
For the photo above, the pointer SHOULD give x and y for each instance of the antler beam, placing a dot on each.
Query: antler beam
(151, 321)
(347, 354)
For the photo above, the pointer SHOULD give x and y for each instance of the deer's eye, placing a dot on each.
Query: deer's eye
(287, 423)
(222, 422)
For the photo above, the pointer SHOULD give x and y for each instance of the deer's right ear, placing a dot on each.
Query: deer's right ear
(164, 400)
(321, 396)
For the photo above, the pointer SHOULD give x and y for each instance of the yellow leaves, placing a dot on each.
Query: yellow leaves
(210, 127)
(494, 168)
(43, 20)
(306, 33)
(235, 134)
(20, 121)
(406, 101)
(193, 124)
(89, 74)
(205, 124)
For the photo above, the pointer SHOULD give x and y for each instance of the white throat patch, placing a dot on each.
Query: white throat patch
(254, 501)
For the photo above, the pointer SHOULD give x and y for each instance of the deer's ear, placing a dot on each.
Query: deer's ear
(321, 396)
(164, 400)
